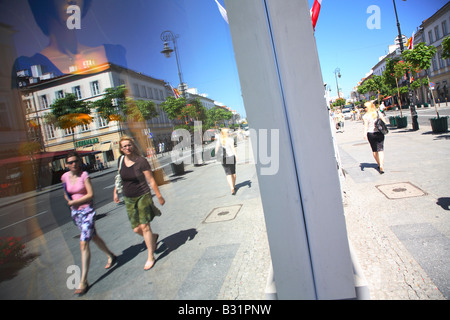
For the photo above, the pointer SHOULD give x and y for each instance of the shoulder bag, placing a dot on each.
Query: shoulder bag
(380, 126)
(118, 178)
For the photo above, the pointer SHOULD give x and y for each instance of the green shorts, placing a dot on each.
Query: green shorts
(141, 210)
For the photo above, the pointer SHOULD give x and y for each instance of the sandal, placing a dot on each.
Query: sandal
(82, 291)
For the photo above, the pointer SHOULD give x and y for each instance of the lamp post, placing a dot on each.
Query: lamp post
(412, 107)
(167, 36)
(337, 73)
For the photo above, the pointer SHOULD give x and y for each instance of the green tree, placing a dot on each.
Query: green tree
(173, 107)
(68, 113)
(116, 106)
(194, 110)
(112, 106)
(420, 59)
(446, 47)
(217, 114)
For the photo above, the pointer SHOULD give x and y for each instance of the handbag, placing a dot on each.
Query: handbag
(380, 126)
(118, 178)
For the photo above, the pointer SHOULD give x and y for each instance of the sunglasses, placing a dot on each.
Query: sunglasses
(71, 162)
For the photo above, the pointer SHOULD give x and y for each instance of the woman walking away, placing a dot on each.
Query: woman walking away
(136, 175)
(375, 138)
(79, 195)
(228, 157)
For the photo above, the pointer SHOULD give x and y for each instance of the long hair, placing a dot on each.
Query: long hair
(224, 136)
(135, 147)
(371, 108)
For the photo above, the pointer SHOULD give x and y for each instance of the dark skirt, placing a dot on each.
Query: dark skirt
(229, 165)
(376, 140)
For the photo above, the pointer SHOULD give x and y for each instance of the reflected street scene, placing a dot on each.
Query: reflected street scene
(224, 150)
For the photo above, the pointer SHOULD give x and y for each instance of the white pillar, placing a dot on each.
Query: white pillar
(282, 89)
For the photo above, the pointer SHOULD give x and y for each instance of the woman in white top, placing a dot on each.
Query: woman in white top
(375, 138)
(226, 144)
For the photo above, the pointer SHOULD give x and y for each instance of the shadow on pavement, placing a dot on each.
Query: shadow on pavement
(174, 241)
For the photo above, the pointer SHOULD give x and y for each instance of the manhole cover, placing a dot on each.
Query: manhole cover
(223, 214)
(400, 190)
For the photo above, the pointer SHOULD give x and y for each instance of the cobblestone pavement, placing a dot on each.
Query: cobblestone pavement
(401, 239)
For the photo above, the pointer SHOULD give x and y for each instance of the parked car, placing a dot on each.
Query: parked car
(347, 112)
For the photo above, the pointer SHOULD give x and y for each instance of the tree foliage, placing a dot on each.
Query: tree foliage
(446, 47)
(420, 57)
(188, 111)
(116, 106)
(69, 112)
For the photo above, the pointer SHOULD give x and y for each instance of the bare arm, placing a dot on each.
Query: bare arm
(151, 181)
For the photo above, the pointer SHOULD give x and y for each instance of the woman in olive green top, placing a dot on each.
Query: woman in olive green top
(136, 175)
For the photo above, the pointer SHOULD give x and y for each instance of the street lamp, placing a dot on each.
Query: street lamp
(412, 107)
(337, 73)
(167, 36)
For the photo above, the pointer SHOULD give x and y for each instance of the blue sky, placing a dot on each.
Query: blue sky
(205, 46)
(344, 41)
(204, 43)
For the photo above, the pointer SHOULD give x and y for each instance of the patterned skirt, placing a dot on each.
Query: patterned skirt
(84, 220)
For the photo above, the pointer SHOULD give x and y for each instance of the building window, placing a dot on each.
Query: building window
(434, 63)
(150, 93)
(44, 102)
(95, 88)
(85, 127)
(59, 94)
(441, 61)
(136, 90)
(430, 37)
(77, 92)
(102, 123)
(29, 106)
(436, 33)
(444, 28)
(68, 131)
(49, 131)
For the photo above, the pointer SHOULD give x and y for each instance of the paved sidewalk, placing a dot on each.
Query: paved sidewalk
(398, 225)
(202, 253)
(399, 222)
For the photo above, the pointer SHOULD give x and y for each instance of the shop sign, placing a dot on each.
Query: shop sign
(87, 142)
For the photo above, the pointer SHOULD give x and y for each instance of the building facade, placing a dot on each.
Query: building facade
(432, 31)
(100, 137)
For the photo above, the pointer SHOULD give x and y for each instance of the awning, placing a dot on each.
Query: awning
(46, 155)
(105, 147)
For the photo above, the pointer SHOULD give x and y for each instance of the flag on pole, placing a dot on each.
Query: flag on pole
(222, 10)
(315, 12)
(410, 43)
(175, 92)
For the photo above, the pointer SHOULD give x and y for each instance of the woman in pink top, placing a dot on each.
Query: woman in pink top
(79, 194)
